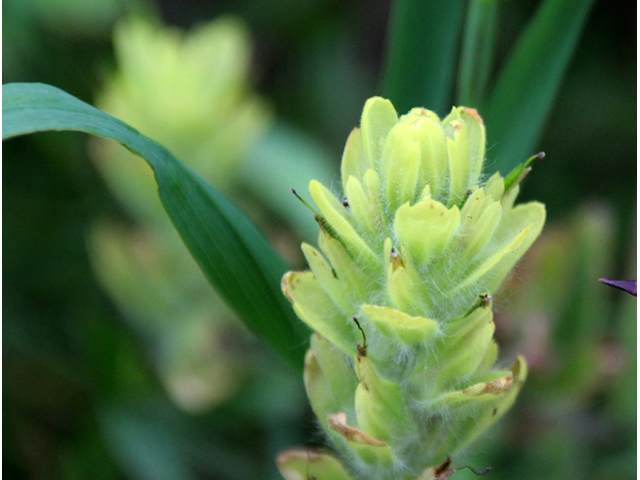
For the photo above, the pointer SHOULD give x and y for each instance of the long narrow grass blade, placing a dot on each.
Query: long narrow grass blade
(529, 82)
(476, 57)
(421, 53)
(234, 256)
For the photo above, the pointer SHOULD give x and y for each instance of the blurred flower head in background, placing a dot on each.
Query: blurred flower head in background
(190, 91)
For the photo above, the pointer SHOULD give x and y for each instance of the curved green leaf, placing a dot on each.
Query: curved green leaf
(233, 255)
(527, 86)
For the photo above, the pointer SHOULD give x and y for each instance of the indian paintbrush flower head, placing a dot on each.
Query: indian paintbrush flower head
(402, 372)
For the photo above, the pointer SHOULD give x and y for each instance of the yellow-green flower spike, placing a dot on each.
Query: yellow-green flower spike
(402, 368)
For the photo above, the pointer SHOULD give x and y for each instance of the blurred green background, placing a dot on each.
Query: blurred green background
(119, 360)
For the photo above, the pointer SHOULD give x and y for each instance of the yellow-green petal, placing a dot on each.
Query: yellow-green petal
(426, 228)
(354, 159)
(469, 354)
(478, 232)
(458, 155)
(380, 408)
(330, 369)
(323, 401)
(354, 279)
(318, 311)
(334, 213)
(400, 163)
(373, 189)
(363, 209)
(398, 325)
(477, 142)
(495, 186)
(507, 252)
(327, 278)
(378, 117)
(433, 154)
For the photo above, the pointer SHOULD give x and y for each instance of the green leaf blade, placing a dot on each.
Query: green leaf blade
(477, 53)
(529, 82)
(421, 54)
(233, 255)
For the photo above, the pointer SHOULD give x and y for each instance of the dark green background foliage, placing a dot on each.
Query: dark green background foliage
(80, 397)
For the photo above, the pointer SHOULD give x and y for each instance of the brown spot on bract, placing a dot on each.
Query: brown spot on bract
(498, 386)
(472, 112)
(338, 423)
(284, 285)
